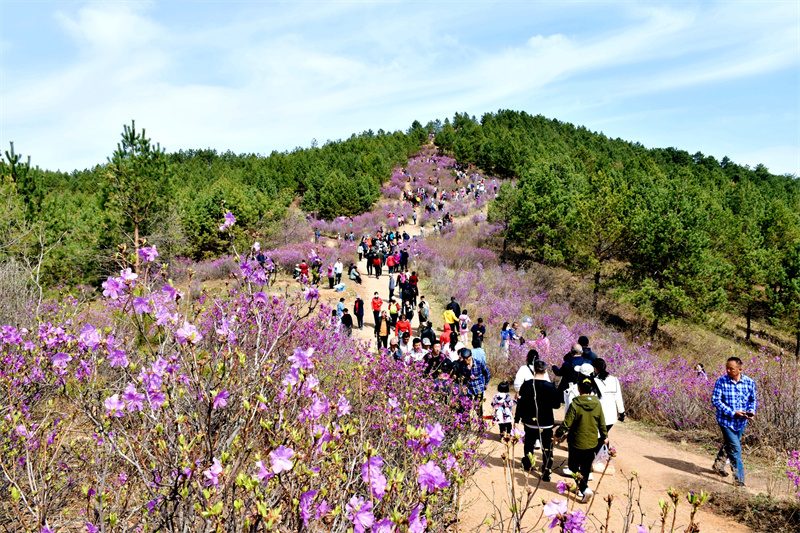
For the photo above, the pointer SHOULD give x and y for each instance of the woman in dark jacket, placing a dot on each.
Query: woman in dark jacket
(537, 399)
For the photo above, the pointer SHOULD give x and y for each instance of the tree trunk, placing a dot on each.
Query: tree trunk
(654, 327)
(749, 316)
(596, 289)
(797, 340)
(136, 245)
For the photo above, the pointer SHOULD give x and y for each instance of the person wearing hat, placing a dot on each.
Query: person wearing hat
(583, 421)
(358, 310)
(394, 349)
(428, 333)
(473, 377)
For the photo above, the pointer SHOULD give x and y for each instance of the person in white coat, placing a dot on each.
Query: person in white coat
(611, 400)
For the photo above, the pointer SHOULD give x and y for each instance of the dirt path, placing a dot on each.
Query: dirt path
(660, 464)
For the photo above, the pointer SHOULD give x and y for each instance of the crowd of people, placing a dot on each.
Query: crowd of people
(590, 395)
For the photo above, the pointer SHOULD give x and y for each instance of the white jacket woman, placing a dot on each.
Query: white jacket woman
(611, 400)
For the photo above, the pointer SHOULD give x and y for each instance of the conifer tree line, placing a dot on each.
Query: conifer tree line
(676, 234)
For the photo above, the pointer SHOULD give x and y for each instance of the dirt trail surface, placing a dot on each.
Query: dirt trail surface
(660, 464)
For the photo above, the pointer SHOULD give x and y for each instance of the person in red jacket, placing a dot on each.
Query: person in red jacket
(403, 326)
(377, 303)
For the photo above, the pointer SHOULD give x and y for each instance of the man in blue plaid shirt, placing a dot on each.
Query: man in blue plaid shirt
(734, 398)
(474, 376)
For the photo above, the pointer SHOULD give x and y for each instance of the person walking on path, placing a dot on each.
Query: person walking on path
(456, 309)
(347, 322)
(376, 303)
(582, 423)
(338, 269)
(537, 400)
(358, 310)
(734, 398)
(382, 330)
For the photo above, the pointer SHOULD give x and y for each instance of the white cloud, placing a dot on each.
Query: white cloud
(277, 77)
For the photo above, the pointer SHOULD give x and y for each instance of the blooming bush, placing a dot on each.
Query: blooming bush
(246, 412)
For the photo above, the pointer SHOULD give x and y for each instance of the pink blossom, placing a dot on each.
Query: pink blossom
(343, 407)
(148, 253)
(133, 399)
(117, 358)
(430, 477)
(112, 288)
(141, 305)
(60, 360)
(230, 220)
(417, 523)
(262, 474)
(556, 510)
(189, 333)
(212, 474)
(114, 406)
(302, 358)
(281, 459)
(359, 511)
(372, 475)
(128, 275)
(220, 399)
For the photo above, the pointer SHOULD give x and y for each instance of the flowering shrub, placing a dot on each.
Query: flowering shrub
(793, 471)
(246, 412)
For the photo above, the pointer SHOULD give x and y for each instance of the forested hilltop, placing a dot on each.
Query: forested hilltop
(676, 234)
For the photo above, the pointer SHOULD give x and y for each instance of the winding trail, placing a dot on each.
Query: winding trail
(659, 463)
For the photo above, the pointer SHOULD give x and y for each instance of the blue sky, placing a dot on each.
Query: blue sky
(719, 78)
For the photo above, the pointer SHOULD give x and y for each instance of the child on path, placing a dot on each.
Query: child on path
(502, 406)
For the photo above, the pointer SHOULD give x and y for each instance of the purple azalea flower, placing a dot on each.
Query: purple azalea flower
(91, 528)
(219, 399)
(148, 253)
(562, 487)
(114, 406)
(171, 292)
(133, 399)
(260, 298)
(310, 293)
(393, 403)
(556, 509)
(90, 336)
(431, 478)
(212, 474)
(156, 399)
(141, 305)
(291, 377)
(417, 523)
(281, 459)
(60, 360)
(343, 407)
(322, 509)
(384, 526)
(435, 434)
(306, 499)
(112, 288)
(117, 358)
(319, 407)
(263, 474)
(575, 522)
(159, 367)
(450, 463)
(189, 333)
(359, 511)
(641, 529)
(230, 220)
(372, 474)
(128, 275)
(302, 358)
(256, 246)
